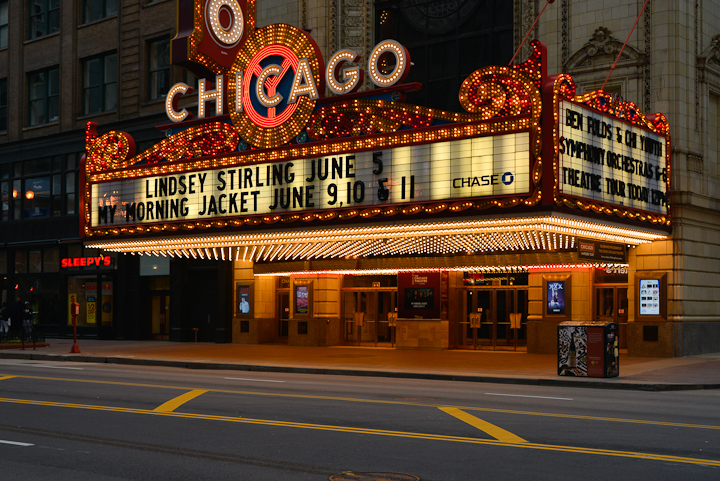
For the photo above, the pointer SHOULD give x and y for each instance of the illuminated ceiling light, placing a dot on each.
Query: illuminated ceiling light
(486, 235)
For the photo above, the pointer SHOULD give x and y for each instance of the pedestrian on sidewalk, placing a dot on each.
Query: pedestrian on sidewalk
(4, 319)
(27, 320)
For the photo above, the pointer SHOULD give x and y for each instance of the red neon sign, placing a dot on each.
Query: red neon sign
(86, 261)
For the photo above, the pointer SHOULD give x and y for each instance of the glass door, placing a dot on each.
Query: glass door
(283, 303)
(493, 318)
(160, 317)
(366, 316)
(611, 305)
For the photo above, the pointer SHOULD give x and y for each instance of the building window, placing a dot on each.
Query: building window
(439, 36)
(38, 197)
(99, 84)
(43, 94)
(158, 68)
(44, 17)
(3, 104)
(97, 9)
(3, 23)
(39, 188)
(5, 192)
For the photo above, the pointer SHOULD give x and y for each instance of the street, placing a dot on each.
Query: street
(114, 422)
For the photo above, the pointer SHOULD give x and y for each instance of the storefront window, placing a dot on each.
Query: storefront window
(3, 262)
(35, 262)
(107, 302)
(52, 260)
(20, 262)
(83, 290)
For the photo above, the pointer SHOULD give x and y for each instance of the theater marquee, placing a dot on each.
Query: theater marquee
(479, 167)
(291, 138)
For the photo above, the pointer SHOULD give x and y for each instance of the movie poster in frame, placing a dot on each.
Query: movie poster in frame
(302, 294)
(557, 298)
(244, 299)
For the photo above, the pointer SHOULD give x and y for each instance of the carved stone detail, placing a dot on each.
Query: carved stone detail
(710, 56)
(601, 49)
(695, 163)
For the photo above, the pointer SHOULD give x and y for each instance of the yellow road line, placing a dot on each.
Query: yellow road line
(175, 403)
(380, 432)
(497, 432)
(397, 403)
(6, 377)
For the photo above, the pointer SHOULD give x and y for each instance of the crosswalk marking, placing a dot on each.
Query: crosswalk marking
(498, 433)
(175, 403)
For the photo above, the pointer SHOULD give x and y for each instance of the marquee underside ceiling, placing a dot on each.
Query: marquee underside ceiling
(517, 235)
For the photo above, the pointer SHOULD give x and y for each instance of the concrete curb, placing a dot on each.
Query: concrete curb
(595, 383)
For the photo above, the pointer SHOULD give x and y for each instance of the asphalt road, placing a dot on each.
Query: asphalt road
(111, 422)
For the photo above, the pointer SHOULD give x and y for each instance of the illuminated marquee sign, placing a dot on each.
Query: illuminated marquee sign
(267, 80)
(461, 169)
(607, 160)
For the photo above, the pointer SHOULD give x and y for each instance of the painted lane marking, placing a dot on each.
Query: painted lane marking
(498, 433)
(380, 432)
(15, 443)
(535, 397)
(244, 379)
(43, 365)
(2, 378)
(396, 403)
(175, 403)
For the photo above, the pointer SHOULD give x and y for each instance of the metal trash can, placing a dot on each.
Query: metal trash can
(588, 349)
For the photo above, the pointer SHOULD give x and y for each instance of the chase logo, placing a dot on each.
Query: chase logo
(507, 178)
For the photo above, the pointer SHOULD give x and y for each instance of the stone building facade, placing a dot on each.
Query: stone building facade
(671, 64)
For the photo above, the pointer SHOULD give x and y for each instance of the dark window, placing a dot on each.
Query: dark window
(447, 41)
(71, 203)
(99, 84)
(44, 17)
(5, 193)
(3, 23)
(43, 95)
(40, 188)
(38, 197)
(158, 68)
(3, 104)
(97, 9)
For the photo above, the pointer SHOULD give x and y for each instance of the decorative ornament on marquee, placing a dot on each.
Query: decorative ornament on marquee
(114, 150)
(563, 88)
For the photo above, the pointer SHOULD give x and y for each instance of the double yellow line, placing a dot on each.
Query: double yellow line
(510, 442)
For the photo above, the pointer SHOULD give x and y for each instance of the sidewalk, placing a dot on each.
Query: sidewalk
(697, 372)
